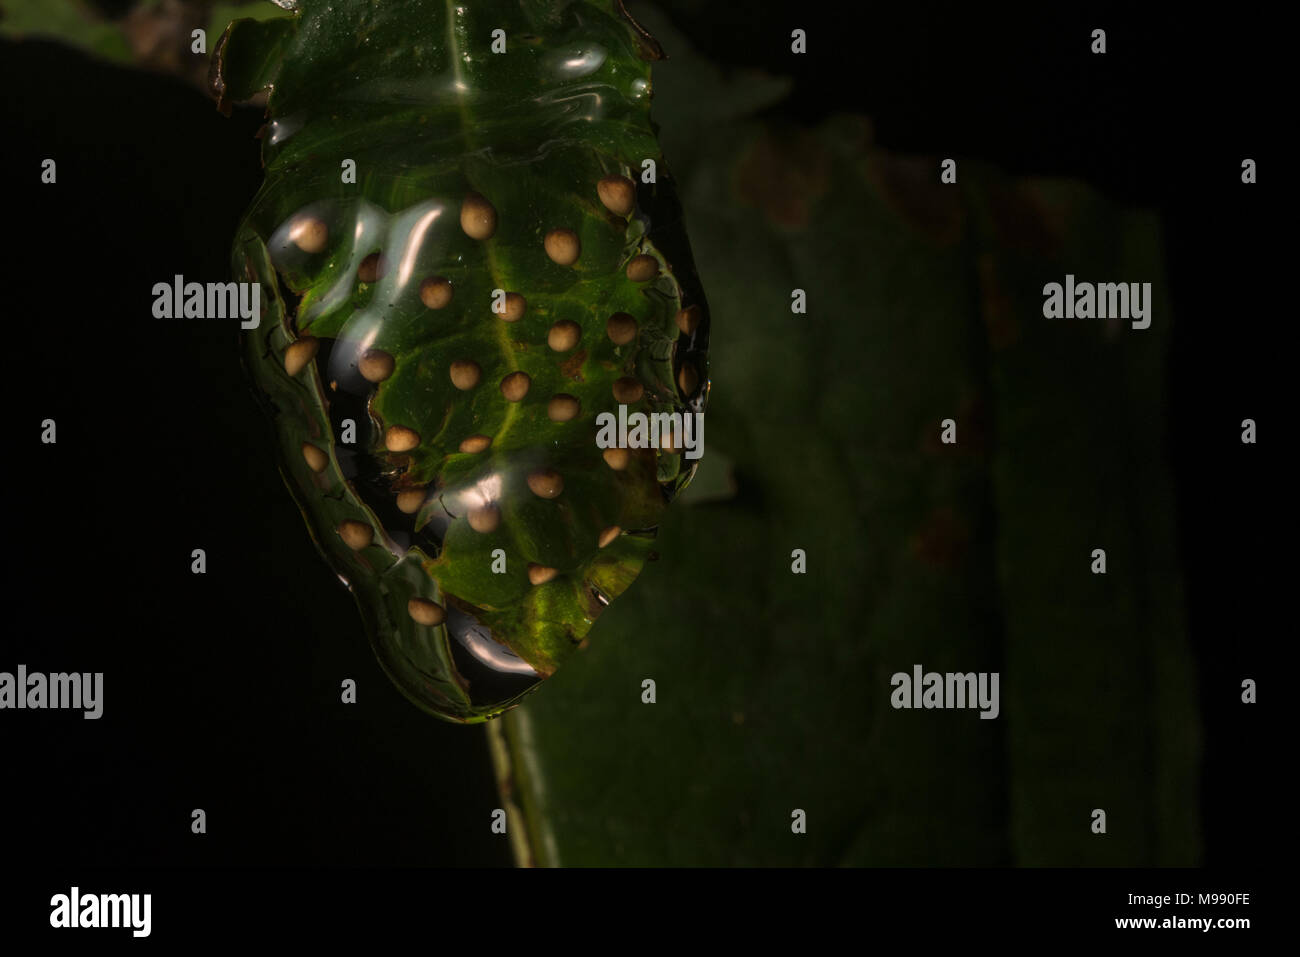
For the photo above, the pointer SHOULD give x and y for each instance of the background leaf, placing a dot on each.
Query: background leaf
(772, 687)
(68, 21)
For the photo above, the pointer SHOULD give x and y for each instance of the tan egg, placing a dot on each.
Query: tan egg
(465, 374)
(376, 365)
(564, 335)
(317, 460)
(410, 500)
(688, 379)
(563, 407)
(309, 234)
(562, 246)
(425, 612)
(540, 574)
(475, 443)
(399, 438)
(616, 459)
(515, 306)
(485, 519)
(688, 319)
(546, 483)
(435, 292)
(642, 268)
(621, 329)
(477, 217)
(356, 535)
(628, 390)
(618, 194)
(515, 386)
(608, 535)
(300, 353)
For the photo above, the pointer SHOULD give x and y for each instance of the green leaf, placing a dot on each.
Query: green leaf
(150, 35)
(515, 548)
(247, 57)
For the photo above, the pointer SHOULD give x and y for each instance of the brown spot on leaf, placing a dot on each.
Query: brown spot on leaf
(995, 305)
(943, 540)
(783, 173)
(910, 186)
(571, 368)
(160, 39)
(973, 430)
(1021, 221)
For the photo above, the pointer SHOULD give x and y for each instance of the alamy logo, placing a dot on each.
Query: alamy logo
(655, 430)
(1106, 300)
(102, 910)
(952, 690)
(35, 690)
(215, 300)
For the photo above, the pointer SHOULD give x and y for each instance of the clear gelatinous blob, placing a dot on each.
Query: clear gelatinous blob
(458, 317)
(576, 61)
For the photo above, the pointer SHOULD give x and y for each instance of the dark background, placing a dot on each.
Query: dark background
(222, 691)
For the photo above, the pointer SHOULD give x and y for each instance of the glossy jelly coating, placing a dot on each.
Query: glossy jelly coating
(443, 326)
